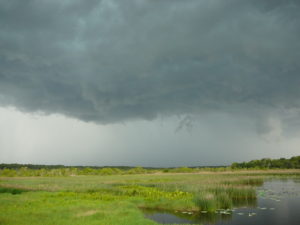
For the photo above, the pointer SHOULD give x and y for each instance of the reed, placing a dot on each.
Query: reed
(116, 199)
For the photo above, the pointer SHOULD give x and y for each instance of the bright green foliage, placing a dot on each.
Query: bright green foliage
(8, 173)
(117, 199)
(152, 193)
(48, 209)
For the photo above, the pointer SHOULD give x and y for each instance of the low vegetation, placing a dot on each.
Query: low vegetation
(121, 199)
(29, 170)
(91, 195)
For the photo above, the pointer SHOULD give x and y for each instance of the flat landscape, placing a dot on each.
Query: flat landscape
(148, 112)
(124, 199)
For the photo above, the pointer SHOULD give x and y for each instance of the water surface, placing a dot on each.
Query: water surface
(278, 203)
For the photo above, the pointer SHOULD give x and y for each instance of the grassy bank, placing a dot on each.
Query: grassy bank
(117, 199)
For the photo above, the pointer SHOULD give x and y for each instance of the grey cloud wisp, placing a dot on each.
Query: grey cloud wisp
(108, 61)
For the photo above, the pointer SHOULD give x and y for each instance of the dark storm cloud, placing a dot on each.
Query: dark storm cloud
(109, 60)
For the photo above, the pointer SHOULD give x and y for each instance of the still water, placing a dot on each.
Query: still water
(278, 203)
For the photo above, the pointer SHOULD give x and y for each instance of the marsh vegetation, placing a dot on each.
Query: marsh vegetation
(121, 199)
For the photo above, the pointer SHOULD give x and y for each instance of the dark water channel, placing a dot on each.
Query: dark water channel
(278, 203)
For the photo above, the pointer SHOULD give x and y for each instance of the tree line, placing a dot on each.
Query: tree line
(267, 163)
(30, 170)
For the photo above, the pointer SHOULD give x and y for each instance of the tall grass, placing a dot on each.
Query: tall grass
(13, 191)
(68, 197)
(253, 181)
(223, 197)
(234, 192)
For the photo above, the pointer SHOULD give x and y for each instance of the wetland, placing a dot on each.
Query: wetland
(228, 197)
(278, 203)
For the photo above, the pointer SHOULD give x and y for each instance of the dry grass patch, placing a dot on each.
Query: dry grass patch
(87, 213)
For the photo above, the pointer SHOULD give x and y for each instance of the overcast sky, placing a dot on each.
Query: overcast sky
(149, 82)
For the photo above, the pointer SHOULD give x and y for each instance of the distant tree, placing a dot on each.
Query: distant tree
(267, 163)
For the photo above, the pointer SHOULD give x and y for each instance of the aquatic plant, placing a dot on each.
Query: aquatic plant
(248, 181)
(235, 192)
(103, 199)
(206, 201)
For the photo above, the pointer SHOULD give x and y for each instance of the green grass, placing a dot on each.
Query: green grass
(13, 191)
(48, 208)
(118, 199)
